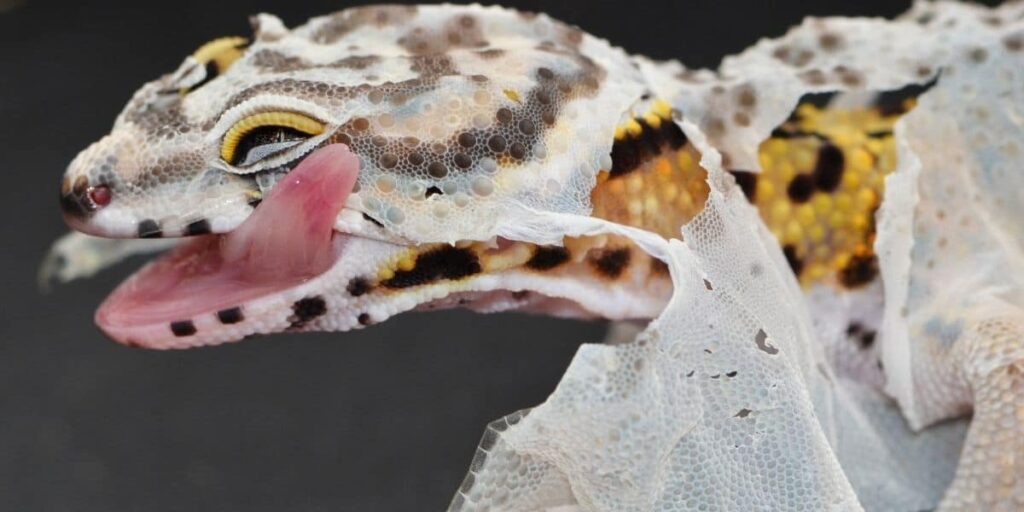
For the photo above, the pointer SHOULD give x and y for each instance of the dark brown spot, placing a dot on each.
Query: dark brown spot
(150, 229)
(491, 53)
(747, 182)
(545, 74)
(548, 257)
(743, 413)
(517, 150)
(446, 262)
(466, 140)
(828, 169)
(747, 98)
(358, 287)
(795, 263)
(761, 340)
(416, 158)
(198, 227)
(1014, 43)
(183, 328)
(388, 160)
(830, 41)
(463, 160)
(612, 262)
(801, 188)
(527, 127)
(230, 315)
(437, 170)
(813, 77)
(364, 319)
(496, 143)
(864, 337)
(361, 123)
(307, 309)
(860, 270)
(707, 285)
(503, 115)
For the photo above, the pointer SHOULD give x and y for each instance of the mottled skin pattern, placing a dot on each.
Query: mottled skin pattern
(462, 113)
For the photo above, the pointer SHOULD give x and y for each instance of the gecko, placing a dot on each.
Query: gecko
(437, 130)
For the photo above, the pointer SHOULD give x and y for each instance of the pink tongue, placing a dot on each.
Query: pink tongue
(290, 233)
(288, 239)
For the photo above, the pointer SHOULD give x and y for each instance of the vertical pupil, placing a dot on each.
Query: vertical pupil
(262, 136)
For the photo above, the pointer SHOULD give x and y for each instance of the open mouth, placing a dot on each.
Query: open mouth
(288, 240)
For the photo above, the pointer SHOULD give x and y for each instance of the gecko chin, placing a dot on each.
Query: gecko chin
(285, 244)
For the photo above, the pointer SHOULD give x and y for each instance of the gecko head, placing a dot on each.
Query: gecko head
(456, 122)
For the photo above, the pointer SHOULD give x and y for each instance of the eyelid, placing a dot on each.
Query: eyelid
(292, 120)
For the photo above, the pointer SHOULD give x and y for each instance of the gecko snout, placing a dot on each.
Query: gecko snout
(79, 199)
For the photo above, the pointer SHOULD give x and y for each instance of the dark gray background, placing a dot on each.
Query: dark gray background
(382, 419)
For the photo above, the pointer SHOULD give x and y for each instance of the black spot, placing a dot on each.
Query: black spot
(150, 229)
(373, 220)
(828, 169)
(433, 190)
(761, 339)
(867, 339)
(548, 257)
(230, 315)
(860, 270)
(364, 319)
(625, 156)
(254, 201)
(707, 285)
(863, 336)
(631, 152)
(307, 309)
(183, 328)
(732, 374)
(612, 263)
(672, 134)
(743, 413)
(801, 188)
(199, 227)
(795, 263)
(358, 286)
(747, 182)
(443, 263)
(649, 142)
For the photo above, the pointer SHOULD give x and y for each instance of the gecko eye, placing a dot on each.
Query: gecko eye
(267, 134)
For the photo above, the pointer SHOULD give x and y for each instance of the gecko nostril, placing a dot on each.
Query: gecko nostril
(78, 199)
(100, 195)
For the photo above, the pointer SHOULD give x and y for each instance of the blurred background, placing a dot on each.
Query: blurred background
(386, 418)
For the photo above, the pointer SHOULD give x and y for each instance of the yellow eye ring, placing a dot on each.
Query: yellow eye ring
(291, 120)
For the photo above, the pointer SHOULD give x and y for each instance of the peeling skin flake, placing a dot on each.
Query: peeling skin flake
(656, 425)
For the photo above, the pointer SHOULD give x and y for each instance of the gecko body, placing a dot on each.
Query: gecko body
(465, 121)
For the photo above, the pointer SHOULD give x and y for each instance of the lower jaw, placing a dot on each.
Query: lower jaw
(193, 286)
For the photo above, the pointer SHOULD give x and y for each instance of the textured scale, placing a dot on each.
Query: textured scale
(827, 279)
